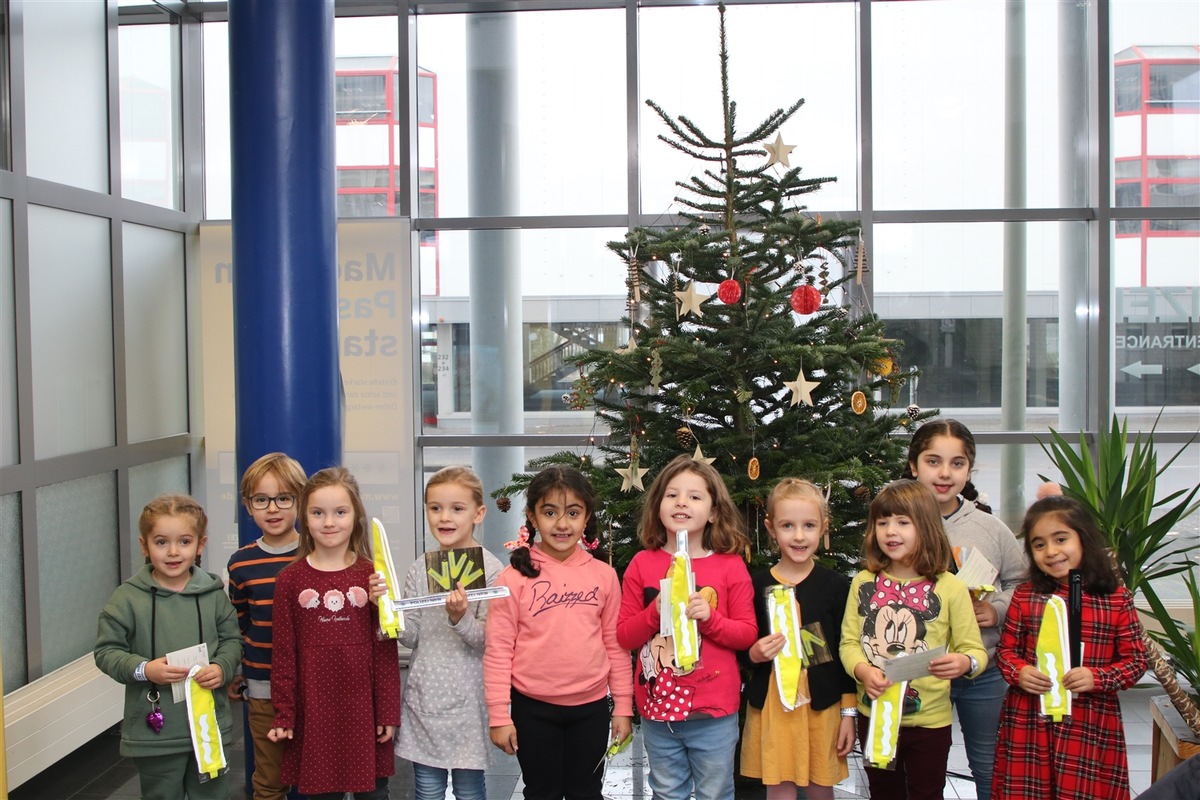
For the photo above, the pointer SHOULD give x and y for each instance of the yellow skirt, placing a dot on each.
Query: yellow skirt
(798, 746)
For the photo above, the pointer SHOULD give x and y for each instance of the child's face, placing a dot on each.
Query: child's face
(278, 525)
(944, 467)
(453, 514)
(330, 517)
(796, 525)
(897, 537)
(686, 504)
(1056, 548)
(560, 518)
(172, 547)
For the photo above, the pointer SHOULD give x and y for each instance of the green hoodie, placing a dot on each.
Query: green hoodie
(126, 638)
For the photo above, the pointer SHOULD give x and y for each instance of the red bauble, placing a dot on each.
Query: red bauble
(806, 299)
(729, 292)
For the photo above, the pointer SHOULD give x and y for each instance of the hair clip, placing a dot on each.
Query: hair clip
(591, 545)
(522, 539)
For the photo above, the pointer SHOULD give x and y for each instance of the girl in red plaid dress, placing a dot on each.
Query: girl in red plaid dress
(1083, 756)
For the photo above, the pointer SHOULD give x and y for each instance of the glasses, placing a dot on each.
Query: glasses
(260, 502)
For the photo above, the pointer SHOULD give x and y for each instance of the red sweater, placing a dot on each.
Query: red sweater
(713, 688)
(555, 638)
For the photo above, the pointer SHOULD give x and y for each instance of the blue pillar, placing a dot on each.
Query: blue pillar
(288, 386)
(281, 72)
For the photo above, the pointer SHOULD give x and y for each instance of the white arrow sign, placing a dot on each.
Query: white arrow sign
(1195, 369)
(1137, 369)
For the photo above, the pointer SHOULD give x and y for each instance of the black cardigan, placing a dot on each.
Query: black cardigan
(822, 597)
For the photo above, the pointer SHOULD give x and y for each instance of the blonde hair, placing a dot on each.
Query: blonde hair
(798, 489)
(463, 476)
(725, 534)
(173, 505)
(360, 542)
(905, 497)
(287, 472)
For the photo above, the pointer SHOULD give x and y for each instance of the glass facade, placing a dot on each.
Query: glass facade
(1026, 177)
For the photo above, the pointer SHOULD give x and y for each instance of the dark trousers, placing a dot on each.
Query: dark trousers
(560, 747)
(919, 767)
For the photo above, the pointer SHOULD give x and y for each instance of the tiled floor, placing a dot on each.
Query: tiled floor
(96, 772)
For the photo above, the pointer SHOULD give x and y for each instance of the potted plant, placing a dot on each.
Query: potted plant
(1118, 484)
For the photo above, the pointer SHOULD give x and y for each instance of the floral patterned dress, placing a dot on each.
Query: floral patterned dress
(334, 678)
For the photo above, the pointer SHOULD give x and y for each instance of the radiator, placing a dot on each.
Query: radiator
(48, 719)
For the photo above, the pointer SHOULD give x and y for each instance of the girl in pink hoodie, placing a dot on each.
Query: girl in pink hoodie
(551, 657)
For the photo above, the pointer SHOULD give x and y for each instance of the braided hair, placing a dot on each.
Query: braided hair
(554, 478)
(955, 430)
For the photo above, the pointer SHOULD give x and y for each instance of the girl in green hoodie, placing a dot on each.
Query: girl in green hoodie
(170, 604)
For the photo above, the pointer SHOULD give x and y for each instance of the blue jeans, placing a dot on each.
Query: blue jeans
(978, 702)
(695, 753)
(429, 783)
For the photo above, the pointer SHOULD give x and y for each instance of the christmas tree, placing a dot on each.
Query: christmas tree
(750, 345)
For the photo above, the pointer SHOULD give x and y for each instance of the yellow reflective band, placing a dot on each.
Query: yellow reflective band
(391, 621)
(1053, 659)
(205, 729)
(883, 728)
(684, 630)
(790, 661)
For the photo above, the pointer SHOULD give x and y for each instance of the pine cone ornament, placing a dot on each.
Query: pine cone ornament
(685, 437)
(504, 503)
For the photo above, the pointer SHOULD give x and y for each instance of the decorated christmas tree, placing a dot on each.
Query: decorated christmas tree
(750, 345)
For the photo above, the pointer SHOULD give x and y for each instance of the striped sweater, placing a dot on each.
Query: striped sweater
(252, 572)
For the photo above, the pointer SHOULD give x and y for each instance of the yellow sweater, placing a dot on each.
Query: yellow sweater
(889, 617)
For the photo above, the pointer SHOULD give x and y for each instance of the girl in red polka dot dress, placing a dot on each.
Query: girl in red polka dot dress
(689, 716)
(335, 679)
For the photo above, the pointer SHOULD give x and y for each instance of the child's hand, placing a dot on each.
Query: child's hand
(210, 677)
(234, 690)
(846, 736)
(383, 733)
(767, 648)
(872, 679)
(698, 607)
(1033, 681)
(622, 728)
(985, 613)
(505, 737)
(456, 604)
(377, 586)
(279, 734)
(159, 671)
(950, 666)
(1079, 679)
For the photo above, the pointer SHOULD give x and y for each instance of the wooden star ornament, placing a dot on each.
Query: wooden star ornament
(699, 456)
(631, 477)
(778, 151)
(689, 301)
(801, 389)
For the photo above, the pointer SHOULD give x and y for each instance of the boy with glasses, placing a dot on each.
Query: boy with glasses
(269, 489)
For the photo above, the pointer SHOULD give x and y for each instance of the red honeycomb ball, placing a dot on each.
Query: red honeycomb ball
(806, 299)
(729, 292)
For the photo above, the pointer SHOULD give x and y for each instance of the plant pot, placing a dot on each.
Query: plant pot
(1171, 742)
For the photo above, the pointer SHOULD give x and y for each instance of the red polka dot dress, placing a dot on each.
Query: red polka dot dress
(334, 679)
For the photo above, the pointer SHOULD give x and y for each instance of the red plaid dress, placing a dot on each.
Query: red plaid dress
(1083, 757)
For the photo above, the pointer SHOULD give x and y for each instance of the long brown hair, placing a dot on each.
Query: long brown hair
(725, 534)
(360, 542)
(931, 555)
(1099, 576)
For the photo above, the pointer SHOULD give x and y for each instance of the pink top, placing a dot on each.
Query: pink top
(713, 687)
(555, 638)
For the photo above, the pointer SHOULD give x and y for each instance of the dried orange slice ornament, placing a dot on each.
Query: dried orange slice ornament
(858, 402)
(752, 468)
